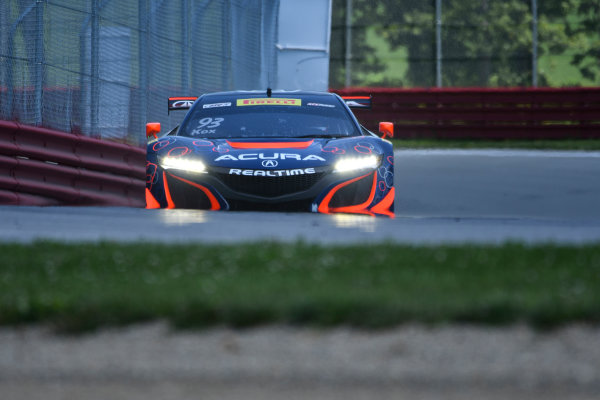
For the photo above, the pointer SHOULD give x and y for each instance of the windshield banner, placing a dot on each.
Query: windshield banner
(269, 102)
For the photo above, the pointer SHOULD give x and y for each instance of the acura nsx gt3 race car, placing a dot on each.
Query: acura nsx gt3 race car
(271, 150)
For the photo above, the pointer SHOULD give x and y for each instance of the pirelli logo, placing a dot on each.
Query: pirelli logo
(269, 102)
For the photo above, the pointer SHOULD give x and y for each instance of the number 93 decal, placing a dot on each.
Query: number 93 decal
(207, 125)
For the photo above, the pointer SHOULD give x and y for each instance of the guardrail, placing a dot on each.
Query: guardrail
(39, 166)
(466, 113)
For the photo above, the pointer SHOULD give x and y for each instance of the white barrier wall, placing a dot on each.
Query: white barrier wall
(303, 45)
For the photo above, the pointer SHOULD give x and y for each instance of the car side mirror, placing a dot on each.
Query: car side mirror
(386, 129)
(152, 128)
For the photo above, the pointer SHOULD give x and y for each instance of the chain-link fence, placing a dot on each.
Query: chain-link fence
(104, 68)
(448, 43)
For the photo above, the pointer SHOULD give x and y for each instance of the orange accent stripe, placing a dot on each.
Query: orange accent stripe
(151, 201)
(214, 203)
(182, 98)
(383, 207)
(270, 145)
(324, 206)
(360, 208)
(170, 203)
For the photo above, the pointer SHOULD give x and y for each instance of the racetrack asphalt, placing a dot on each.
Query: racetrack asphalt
(443, 196)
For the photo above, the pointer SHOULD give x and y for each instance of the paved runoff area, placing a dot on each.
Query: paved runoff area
(413, 362)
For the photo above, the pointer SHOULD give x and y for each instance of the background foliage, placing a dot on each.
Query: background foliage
(484, 43)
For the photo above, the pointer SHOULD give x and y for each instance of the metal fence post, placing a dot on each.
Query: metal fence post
(534, 44)
(348, 43)
(438, 43)
(143, 60)
(39, 60)
(226, 35)
(185, 38)
(95, 68)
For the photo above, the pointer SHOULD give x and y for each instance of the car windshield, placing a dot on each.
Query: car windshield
(285, 116)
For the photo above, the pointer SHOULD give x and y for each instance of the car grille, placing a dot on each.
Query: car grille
(286, 206)
(270, 186)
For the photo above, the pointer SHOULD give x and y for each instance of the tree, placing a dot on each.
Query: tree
(484, 43)
(362, 59)
(580, 31)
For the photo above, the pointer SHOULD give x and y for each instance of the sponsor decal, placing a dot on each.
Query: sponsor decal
(151, 177)
(352, 103)
(215, 105)
(182, 104)
(178, 151)
(221, 149)
(204, 132)
(203, 143)
(269, 163)
(270, 173)
(364, 148)
(334, 150)
(163, 143)
(271, 101)
(320, 105)
(274, 156)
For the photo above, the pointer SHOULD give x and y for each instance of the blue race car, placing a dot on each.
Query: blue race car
(273, 150)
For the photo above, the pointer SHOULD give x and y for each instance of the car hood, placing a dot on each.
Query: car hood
(266, 153)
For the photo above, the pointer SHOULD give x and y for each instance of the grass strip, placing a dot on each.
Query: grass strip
(583, 144)
(80, 287)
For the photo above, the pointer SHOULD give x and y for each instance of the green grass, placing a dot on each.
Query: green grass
(584, 144)
(79, 287)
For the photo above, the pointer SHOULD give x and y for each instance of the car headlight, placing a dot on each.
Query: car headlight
(356, 163)
(183, 164)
